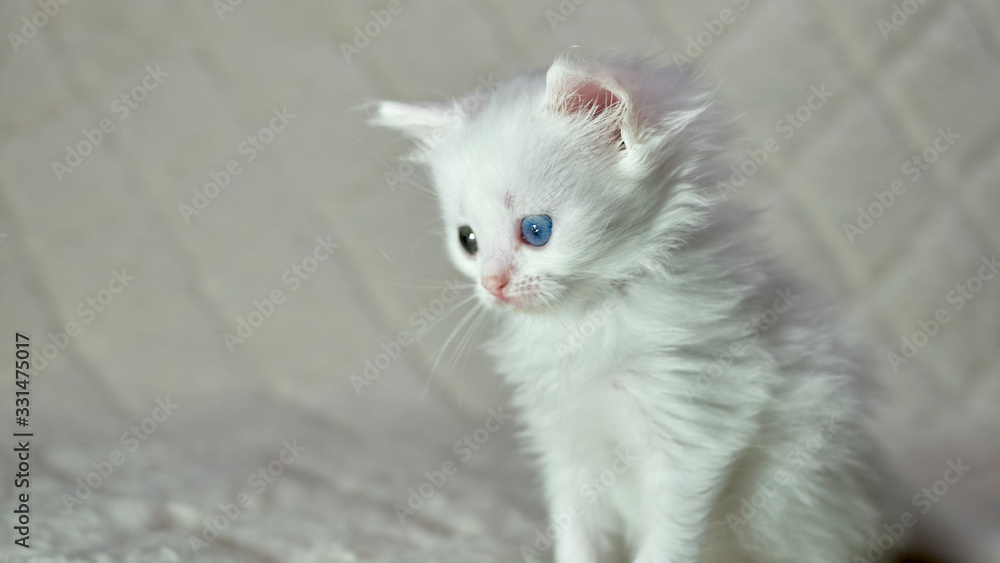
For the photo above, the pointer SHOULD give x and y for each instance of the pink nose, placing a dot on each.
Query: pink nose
(495, 283)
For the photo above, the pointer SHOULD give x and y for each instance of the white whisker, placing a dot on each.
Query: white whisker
(444, 346)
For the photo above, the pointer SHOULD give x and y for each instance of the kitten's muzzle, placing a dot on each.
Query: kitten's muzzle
(495, 284)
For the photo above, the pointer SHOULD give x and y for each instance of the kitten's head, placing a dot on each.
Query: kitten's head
(565, 185)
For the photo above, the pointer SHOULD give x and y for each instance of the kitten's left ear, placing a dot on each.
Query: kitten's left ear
(420, 121)
(593, 92)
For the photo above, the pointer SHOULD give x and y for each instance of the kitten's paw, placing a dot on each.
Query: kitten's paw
(574, 547)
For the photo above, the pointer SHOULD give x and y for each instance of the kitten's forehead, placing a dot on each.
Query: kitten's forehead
(508, 199)
(506, 160)
(494, 176)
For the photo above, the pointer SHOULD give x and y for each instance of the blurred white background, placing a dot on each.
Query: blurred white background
(114, 117)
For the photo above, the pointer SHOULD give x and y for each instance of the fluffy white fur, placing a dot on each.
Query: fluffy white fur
(650, 327)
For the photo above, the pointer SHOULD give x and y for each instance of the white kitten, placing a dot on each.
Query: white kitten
(686, 402)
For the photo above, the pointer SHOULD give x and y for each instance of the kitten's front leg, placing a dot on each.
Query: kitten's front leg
(574, 545)
(675, 509)
(574, 508)
(576, 539)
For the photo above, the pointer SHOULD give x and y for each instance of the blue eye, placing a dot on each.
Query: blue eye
(536, 229)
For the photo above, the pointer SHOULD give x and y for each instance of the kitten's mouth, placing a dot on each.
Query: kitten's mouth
(522, 304)
(509, 302)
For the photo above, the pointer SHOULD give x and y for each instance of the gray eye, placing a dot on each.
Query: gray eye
(468, 239)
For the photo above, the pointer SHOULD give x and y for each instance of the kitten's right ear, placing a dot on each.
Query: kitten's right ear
(420, 121)
(594, 92)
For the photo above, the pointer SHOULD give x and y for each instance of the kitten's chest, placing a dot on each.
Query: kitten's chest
(560, 357)
(574, 384)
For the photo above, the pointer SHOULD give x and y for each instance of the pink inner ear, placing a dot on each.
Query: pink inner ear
(591, 92)
(590, 95)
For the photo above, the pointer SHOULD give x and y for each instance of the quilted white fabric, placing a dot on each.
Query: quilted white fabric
(198, 233)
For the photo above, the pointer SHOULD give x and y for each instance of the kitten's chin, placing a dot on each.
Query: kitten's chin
(505, 304)
(514, 304)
